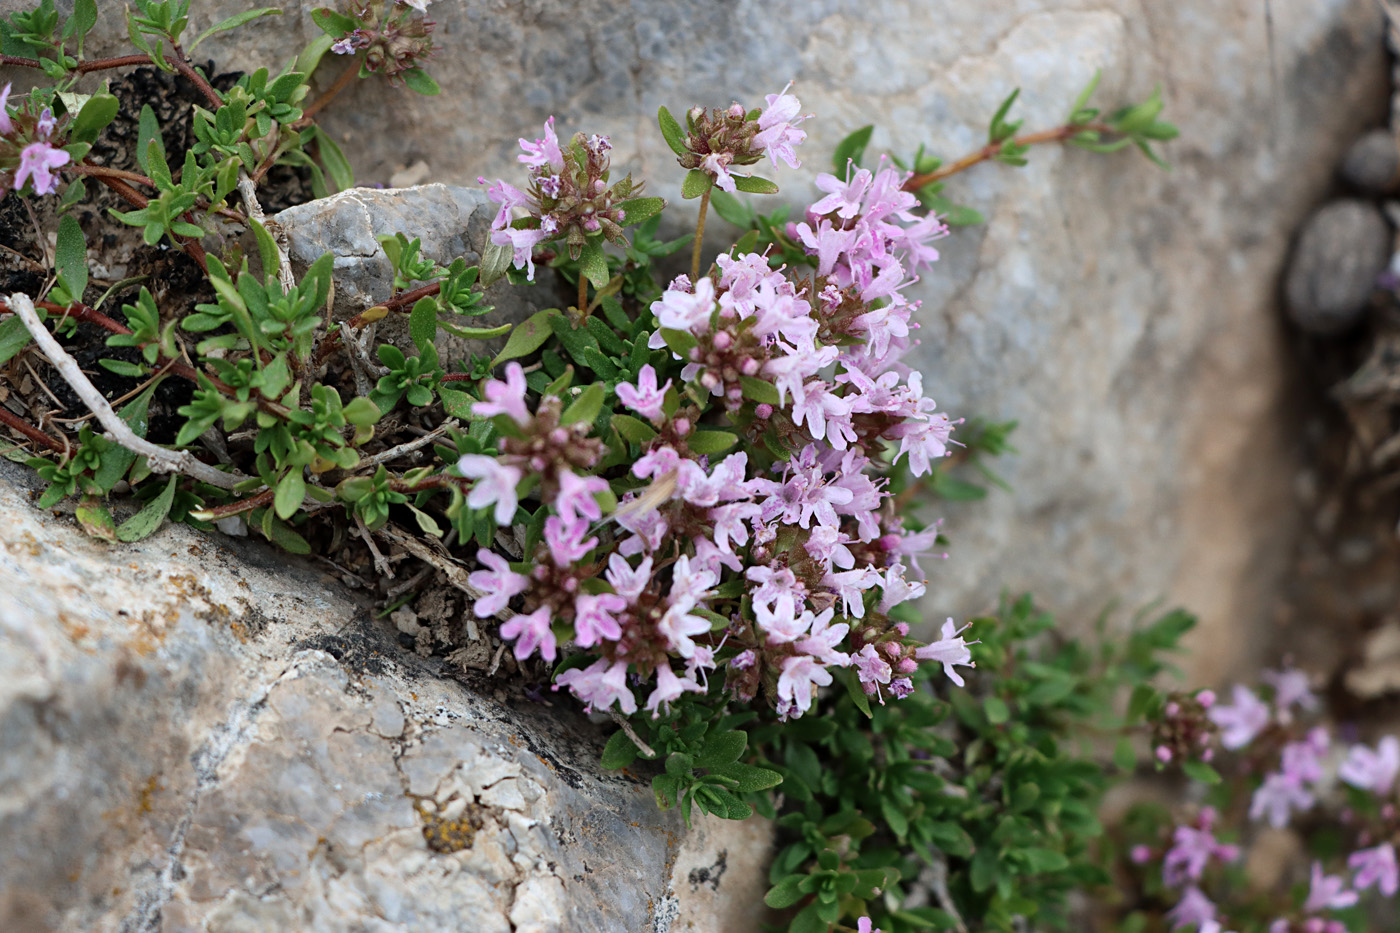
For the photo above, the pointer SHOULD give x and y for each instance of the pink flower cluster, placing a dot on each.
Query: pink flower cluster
(791, 571)
(568, 196)
(1266, 728)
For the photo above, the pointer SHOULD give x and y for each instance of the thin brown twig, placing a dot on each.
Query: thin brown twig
(319, 104)
(11, 420)
(991, 150)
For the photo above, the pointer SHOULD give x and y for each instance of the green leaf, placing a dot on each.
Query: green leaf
(14, 337)
(760, 390)
(998, 713)
(1039, 859)
(810, 920)
(750, 778)
(711, 442)
(633, 429)
(586, 406)
(332, 23)
(1124, 756)
(70, 256)
(985, 870)
(851, 149)
(474, 333)
(233, 22)
(423, 323)
(1200, 771)
(593, 262)
(337, 166)
(96, 519)
(752, 184)
(144, 523)
(148, 131)
(457, 404)
(93, 118)
(732, 209)
(620, 751)
(785, 893)
(527, 337)
(681, 342)
(123, 368)
(894, 817)
(81, 22)
(696, 183)
(722, 748)
(291, 490)
(853, 690)
(671, 131)
(639, 210)
(495, 260)
(420, 82)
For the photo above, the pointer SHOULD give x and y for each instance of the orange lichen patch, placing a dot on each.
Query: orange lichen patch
(27, 544)
(544, 761)
(147, 791)
(74, 629)
(446, 836)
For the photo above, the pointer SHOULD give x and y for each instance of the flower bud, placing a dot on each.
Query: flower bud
(763, 411)
(1140, 854)
(902, 629)
(750, 366)
(722, 340)
(1206, 698)
(681, 426)
(1163, 754)
(906, 666)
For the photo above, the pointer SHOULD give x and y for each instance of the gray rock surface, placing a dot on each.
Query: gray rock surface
(452, 222)
(1124, 315)
(1372, 164)
(1332, 272)
(198, 734)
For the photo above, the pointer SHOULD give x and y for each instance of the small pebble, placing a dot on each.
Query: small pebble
(1372, 164)
(1343, 248)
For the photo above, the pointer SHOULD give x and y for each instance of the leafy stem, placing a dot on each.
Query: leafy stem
(990, 151)
(699, 236)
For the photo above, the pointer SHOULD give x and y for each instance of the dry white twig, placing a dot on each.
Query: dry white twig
(456, 574)
(626, 727)
(381, 564)
(407, 447)
(249, 193)
(159, 458)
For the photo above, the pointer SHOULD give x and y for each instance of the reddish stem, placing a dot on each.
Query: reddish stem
(28, 430)
(990, 151)
(123, 61)
(241, 505)
(319, 104)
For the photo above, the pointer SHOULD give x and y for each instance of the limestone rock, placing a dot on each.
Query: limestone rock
(452, 222)
(199, 734)
(1333, 270)
(1372, 164)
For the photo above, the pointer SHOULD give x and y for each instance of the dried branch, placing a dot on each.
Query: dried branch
(249, 192)
(407, 447)
(159, 458)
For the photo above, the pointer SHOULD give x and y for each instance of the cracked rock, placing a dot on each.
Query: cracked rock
(165, 765)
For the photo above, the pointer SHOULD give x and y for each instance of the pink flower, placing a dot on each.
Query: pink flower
(872, 670)
(495, 483)
(1242, 720)
(668, 687)
(509, 197)
(843, 197)
(777, 128)
(499, 583)
(951, 649)
(577, 497)
(6, 126)
(1328, 892)
(524, 243)
(863, 926)
(1375, 867)
(566, 540)
(1276, 797)
(800, 674)
(505, 398)
(628, 583)
(1374, 771)
(645, 398)
(1291, 688)
(822, 638)
(1194, 909)
(717, 164)
(593, 618)
(683, 310)
(531, 632)
(678, 625)
(543, 152)
(782, 622)
(1192, 848)
(36, 161)
(600, 685)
